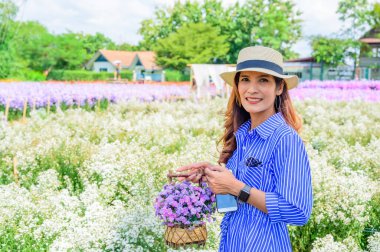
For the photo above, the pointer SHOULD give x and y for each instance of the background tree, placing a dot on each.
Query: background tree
(357, 14)
(94, 43)
(330, 51)
(273, 23)
(8, 11)
(70, 51)
(169, 19)
(361, 16)
(180, 48)
(129, 47)
(375, 15)
(34, 47)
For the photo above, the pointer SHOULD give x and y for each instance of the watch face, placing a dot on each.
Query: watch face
(244, 193)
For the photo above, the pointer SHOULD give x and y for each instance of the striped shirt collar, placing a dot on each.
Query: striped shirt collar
(265, 129)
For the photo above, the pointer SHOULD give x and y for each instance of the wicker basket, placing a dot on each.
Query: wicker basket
(181, 236)
(178, 236)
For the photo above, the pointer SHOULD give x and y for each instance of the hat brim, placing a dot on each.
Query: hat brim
(291, 80)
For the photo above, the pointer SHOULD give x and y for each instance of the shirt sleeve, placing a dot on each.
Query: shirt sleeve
(292, 200)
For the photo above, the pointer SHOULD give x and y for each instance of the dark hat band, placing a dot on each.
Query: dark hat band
(259, 64)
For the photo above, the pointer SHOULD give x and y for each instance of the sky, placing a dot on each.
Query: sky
(120, 19)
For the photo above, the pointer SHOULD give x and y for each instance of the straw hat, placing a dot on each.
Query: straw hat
(260, 59)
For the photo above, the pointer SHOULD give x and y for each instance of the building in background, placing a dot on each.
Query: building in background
(142, 64)
(369, 61)
(309, 69)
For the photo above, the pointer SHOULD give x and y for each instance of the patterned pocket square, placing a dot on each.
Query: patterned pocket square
(252, 162)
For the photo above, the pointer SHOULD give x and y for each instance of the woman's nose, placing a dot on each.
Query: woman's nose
(253, 87)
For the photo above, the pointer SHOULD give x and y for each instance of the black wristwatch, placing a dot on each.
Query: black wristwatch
(244, 193)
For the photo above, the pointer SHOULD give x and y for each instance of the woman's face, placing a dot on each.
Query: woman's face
(257, 93)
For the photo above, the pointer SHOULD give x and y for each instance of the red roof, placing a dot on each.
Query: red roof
(370, 40)
(147, 58)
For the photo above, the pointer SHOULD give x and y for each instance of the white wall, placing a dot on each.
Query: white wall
(98, 65)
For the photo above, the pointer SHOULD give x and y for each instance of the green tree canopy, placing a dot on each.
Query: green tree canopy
(169, 20)
(273, 23)
(332, 51)
(375, 15)
(93, 43)
(8, 11)
(70, 51)
(357, 12)
(361, 16)
(129, 47)
(180, 48)
(34, 47)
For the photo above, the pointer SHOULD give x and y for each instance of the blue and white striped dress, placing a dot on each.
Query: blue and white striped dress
(282, 170)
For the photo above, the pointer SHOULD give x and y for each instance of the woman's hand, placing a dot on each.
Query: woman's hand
(222, 181)
(196, 171)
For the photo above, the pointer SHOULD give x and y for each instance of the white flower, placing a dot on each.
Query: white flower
(374, 242)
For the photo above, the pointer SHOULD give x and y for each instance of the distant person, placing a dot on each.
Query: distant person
(194, 90)
(117, 75)
(143, 76)
(46, 72)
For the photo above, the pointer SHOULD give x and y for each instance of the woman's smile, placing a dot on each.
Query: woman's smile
(253, 100)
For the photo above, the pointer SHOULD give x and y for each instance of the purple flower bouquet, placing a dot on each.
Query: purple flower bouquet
(185, 204)
(184, 208)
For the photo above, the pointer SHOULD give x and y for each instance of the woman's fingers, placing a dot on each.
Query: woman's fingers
(196, 171)
(210, 171)
(198, 177)
(216, 168)
(195, 177)
(191, 177)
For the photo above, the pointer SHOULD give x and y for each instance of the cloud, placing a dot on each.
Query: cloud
(120, 19)
(116, 19)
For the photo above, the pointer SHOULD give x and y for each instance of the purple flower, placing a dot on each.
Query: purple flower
(174, 204)
(184, 204)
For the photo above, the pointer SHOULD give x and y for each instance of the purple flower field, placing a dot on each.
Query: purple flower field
(367, 91)
(39, 94)
(79, 94)
(344, 85)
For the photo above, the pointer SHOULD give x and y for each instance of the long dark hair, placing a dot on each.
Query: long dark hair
(236, 115)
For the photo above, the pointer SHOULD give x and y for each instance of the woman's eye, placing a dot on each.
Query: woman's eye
(263, 80)
(244, 79)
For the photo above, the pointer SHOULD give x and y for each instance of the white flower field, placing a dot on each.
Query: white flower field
(79, 180)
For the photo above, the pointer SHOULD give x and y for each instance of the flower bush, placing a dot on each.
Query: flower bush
(185, 204)
(88, 179)
(91, 96)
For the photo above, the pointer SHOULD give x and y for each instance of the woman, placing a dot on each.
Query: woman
(261, 146)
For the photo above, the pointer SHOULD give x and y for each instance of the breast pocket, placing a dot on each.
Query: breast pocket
(260, 177)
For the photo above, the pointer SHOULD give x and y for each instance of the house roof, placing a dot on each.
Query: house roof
(126, 58)
(147, 58)
(370, 40)
(372, 36)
